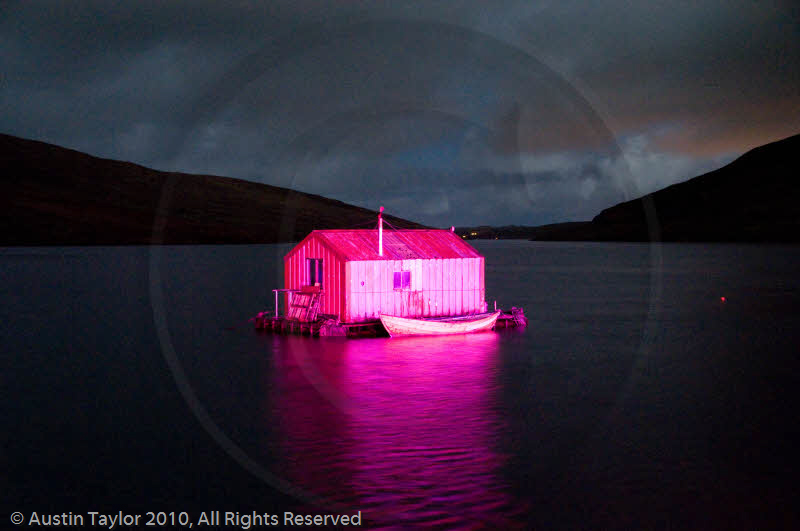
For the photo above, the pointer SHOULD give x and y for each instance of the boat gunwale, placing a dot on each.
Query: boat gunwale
(446, 318)
(405, 326)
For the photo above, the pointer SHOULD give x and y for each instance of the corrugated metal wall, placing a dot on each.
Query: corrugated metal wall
(358, 291)
(438, 287)
(295, 273)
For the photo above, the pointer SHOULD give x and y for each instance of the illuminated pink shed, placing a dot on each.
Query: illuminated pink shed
(420, 273)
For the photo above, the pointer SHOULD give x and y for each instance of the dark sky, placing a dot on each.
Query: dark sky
(462, 112)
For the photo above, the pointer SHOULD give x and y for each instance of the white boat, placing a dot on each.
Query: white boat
(435, 326)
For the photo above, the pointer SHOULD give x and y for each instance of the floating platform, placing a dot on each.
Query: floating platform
(265, 322)
(512, 319)
(328, 326)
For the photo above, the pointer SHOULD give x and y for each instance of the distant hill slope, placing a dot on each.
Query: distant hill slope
(50, 195)
(755, 198)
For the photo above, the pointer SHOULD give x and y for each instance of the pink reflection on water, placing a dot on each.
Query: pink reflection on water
(402, 429)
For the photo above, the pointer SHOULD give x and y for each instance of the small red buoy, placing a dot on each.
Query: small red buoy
(722, 299)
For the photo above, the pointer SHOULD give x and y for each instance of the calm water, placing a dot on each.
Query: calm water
(636, 398)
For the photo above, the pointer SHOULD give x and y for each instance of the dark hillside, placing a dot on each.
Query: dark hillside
(752, 199)
(50, 195)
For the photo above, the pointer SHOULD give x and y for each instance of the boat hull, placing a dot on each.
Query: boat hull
(403, 326)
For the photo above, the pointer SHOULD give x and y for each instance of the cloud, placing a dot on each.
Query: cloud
(435, 108)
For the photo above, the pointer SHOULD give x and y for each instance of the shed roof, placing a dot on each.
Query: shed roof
(358, 245)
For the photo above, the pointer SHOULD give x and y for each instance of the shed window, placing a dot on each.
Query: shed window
(314, 271)
(402, 280)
